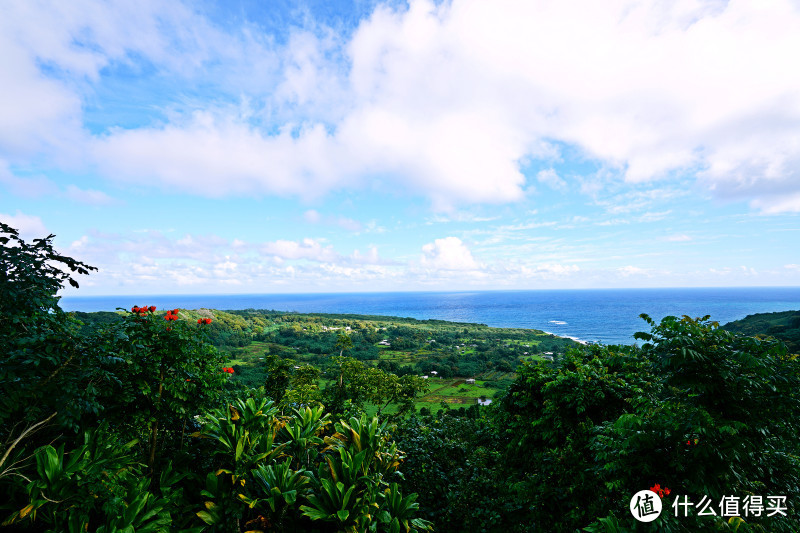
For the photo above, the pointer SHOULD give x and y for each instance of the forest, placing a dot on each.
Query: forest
(156, 420)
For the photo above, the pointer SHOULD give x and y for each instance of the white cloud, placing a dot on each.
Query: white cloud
(632, 271)
(150, 261)
(52, 52)
(40, 186)
(447, 101)
(80, 243)
(448, 253)
(309, 249)
(778, 204)
(29, 226)
(748, 271)
(370, 257)
(551, 178)
(29, 187)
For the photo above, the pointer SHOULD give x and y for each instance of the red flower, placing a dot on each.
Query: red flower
(208, 321)
(658, 490)
(135, 309)
(152, 308)
(199, 320)
(174, 311)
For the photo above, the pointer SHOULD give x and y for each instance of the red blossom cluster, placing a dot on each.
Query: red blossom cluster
(658, 490)
(227, 369)
(204, 321)
(694, 442)
(142, 311)
(171, 315)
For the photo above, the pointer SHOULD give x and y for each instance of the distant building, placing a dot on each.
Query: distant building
(487, 401)
(470, 381)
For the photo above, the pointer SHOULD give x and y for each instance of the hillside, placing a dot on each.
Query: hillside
(784, 326)
(445, 353)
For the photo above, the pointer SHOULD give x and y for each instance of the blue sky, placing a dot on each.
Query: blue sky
(277, 146)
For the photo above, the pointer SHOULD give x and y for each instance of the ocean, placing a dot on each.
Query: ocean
(609, 316)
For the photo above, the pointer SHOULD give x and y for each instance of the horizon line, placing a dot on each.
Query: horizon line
(450, 291)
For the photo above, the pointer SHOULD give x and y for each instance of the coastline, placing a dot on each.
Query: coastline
(593, 315)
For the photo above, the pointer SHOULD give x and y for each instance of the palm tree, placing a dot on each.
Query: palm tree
(344, 343)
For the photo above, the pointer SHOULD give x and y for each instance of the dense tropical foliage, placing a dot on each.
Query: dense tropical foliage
(145, 420)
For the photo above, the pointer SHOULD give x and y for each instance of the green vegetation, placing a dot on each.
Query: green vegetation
(784, 326)
(447, 353)
(205, 420)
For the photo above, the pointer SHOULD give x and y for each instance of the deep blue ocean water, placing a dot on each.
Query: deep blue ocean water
(610, 316)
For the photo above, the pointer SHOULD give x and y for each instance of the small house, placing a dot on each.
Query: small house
(470, 381)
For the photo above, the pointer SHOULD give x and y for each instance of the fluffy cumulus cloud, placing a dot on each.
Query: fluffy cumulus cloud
(149, 260)
(631, 271)
(446, 100)
(29, 226)
(54, 52)
(309, 249)
(448, 253)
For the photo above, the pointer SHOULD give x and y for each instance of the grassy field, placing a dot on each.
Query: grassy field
(454, 392)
